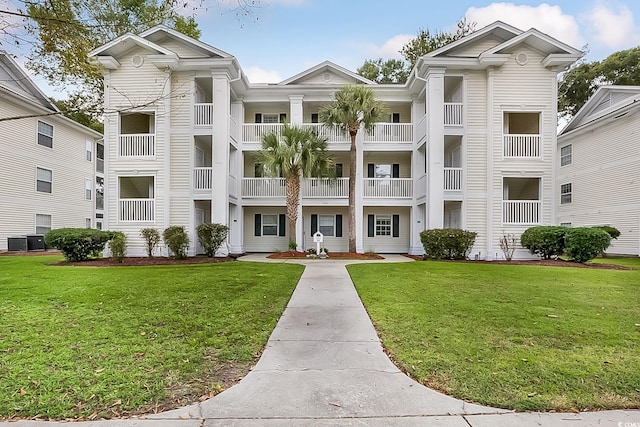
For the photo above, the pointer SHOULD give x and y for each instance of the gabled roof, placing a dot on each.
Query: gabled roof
(498, 29)
(607, 101)
(327, 69)
(14, 79)
(160, 32)
(125, 42)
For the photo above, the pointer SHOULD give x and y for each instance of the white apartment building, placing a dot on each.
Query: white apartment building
(470, 143)
(51, 170)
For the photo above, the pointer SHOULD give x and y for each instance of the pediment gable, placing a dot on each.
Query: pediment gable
(326, 73)
(14, 79)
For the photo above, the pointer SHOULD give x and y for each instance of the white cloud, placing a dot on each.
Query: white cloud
(544, 17)
(611, 26)
(260, 75)
(389, 49)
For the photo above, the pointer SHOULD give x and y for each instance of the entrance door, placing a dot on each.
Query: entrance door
(200, 219)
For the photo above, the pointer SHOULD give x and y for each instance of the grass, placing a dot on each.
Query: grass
(87, 342)
(518, 337)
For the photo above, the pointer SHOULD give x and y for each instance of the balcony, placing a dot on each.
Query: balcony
(452, 179)
(385, 132)
(333, 134)
(263, 187)
(137, 145)
(521, 212)
(381, 132)
(401, 188)
(203, 114)
(521, 146)
(453, 113)
(253, 132)
(136, 210)
(202, 178)
(321, 188)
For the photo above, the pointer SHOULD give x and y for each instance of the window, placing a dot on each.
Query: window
(565, 224)
(100, 158)
(87, 189)
(383, 225)
(272, 118)
(565, 155)
(339, 169)
(45, 134)
(99, 193)
(314, 117)
(89, 153)
(326, 224)
(43, 223)
(87, 222)
(269, 225)
(44, 178)
(565, 194)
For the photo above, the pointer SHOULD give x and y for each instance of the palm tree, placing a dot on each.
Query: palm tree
(292, 153)
(353, 107)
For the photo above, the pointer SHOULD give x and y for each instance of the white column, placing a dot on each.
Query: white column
(165, 177)
(295, 109)
(359, 186)
(220, 149)
(489, 251)
(417, 170)
(435, 148)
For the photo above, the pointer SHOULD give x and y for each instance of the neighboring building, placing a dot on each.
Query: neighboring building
(47, 162)
(598, 166)
(470, 142)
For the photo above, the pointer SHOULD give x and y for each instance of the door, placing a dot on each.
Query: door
(200, 219)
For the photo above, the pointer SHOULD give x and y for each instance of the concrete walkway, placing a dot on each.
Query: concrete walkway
(324, 366)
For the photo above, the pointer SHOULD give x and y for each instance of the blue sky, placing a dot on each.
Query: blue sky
(280, 38)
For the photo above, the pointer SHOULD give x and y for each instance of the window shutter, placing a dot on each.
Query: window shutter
(338, 225)
(371, 226)
(395, 170)
(258, 117)
(314, 117)
(371, 170)
(395, 226)
(395, 118)
(258, 170)
(281, 225)
(314, 223)
(283, 117)
(338, 170)
(258, 225)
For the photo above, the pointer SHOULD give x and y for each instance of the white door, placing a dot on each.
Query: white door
(200, 219)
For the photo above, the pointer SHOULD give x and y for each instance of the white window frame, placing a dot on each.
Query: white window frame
(566, 159)
(273, 225)
(42, 227)
(89, 151)
(566, 197)
(87, 222)
(271, 118)
(88, 188)
(38, 179)
(329, 229)
(384, 225)
(565, 224)
(41, 126)
(99, 160)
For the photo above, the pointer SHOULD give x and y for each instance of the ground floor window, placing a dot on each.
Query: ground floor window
(383, 225)
(565, 194)
(269, 224)
(43, 223)
(328, 225)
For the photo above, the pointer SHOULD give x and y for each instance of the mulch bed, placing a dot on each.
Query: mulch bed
(332, 255)
(142, 261)
(541, 262)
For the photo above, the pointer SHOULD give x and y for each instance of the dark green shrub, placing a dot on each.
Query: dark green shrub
(78, 244)
(293, 246)
(583, 244)
(211, 237)
(151, 238)
(544, 240)
(612, 231)
(447, 243)
(118, 246)
(176, 240)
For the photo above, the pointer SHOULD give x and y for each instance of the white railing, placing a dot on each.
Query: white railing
(521, 145)
(333, 134)
(137, 145)
(421, 189)
(453, 113)
(253, 132)
(525, 212)
(325, 188)
(202, 178)
(136, 210)
(263, 187)
(203, 114)
(452, 179)
(398, 132)
(388, 187)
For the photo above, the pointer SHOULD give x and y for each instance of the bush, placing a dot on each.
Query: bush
(508, 244)
(151, 238)
(612, 231)
(211, 237)
(583, 244)
(293, 246)
(78, 244)
(118, 245)
(447, 243)
(545, 241)
(176, 240)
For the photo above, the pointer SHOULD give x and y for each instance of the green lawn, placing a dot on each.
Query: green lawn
(87, 341)
(518, 337)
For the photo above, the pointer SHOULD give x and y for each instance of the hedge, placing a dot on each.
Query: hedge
(447, 243)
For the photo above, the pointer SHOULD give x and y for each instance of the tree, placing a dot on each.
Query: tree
(397, 71)
(292, 153)
(73, 109)
(582, 80)
(353, 107)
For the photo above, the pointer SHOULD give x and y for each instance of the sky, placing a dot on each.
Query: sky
(278, 39)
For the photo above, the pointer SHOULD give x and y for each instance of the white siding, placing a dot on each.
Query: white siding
(253, 243)
(387, 244)
(332, 243)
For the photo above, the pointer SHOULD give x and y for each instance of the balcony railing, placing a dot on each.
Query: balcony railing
(453, 113)
(452, 179)
(202, 178)
(388, 187)
(137, 210)
(203, 114)
(263, 187)
(524, 212)
(137, 145)
(397, 132)
(253, 132)
(333, 134)
(521, 145)
(325, 188)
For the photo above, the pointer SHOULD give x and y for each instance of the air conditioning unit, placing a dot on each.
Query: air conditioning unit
(17, 244)
(35, 242)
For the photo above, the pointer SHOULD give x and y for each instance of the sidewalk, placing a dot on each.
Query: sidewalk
(324, 366)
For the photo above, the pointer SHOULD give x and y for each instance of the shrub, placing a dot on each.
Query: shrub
(545, 241)
(118, 245)
(447, 243)
(211, 237)
(583, 244)
(77, 244)
(311, 251)
(151, 238)
(176, 240)
(508, 243)
(612, 231)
